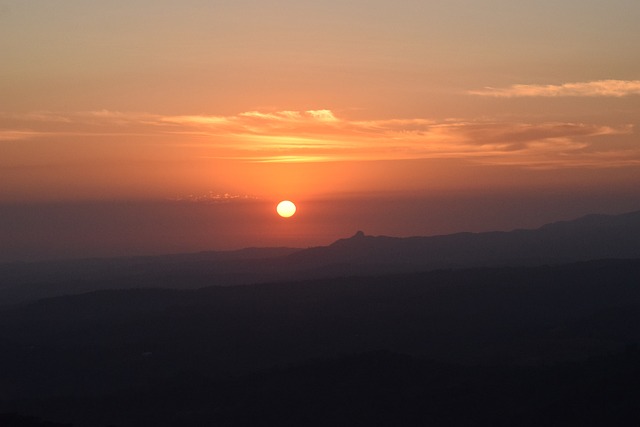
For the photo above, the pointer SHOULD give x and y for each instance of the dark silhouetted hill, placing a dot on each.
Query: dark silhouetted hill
(528, 328)
(588, 238)
(375, 389)
(546, 345)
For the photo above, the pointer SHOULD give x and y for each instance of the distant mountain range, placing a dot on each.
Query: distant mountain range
(528, 328)
(587, 238)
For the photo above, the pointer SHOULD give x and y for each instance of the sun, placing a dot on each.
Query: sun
(286, 208)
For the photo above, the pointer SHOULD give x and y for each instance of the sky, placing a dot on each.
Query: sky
(188, 121)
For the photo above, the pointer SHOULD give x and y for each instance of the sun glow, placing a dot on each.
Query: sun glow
(286, 209)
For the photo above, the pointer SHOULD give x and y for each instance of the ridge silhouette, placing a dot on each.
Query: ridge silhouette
(587, 238)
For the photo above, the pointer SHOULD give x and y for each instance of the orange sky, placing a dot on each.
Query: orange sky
(163, 100)
(111, 155)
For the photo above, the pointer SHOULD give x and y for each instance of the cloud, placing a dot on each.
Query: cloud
(322, 136)
(256, 122)
(213, 198)
(17, 135)
(599, 88)
(288, 137)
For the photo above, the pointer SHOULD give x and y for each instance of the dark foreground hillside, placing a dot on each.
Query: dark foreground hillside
(503, 346)
(373, 389)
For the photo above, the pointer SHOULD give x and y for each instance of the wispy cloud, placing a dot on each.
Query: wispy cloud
(323, 136)
(17, 135)
(212, 197)
(599, 88)
(289, 137)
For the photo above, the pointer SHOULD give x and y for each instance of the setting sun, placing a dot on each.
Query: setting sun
(286, 209)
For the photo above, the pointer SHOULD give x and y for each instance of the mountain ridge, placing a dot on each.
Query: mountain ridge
(586, 238)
